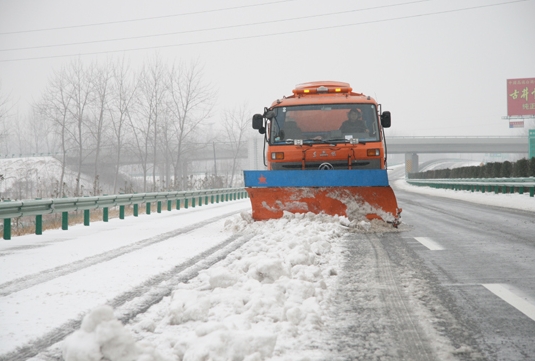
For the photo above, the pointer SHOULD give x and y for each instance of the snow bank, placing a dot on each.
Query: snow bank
(264, 301)
(509, 200)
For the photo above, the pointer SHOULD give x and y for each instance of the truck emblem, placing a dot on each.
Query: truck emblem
(325, 166)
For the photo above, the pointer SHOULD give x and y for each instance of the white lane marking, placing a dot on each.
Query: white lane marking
(520, 303)
(429, 243)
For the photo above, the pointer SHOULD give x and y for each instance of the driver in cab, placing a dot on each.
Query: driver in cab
(354, 122)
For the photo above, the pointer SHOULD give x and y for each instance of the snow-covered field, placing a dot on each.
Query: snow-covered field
(35, 177)
(267, 300)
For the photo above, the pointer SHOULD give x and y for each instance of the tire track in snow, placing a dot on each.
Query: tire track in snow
(374, 317)
(135, 301)
(26, 282)
(412, 338)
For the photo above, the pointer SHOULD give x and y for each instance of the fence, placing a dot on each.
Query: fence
(39, 207)
(496, 185)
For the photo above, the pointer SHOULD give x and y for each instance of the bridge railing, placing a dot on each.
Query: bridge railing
(496, 185)
(40, 207)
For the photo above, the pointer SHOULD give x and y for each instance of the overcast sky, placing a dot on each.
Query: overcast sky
(440, 66)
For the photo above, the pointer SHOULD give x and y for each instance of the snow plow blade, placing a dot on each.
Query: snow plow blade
(352, 193)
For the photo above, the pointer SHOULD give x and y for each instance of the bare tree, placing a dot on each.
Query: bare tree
(166, 149)
(54, 107)
(5, 112)
(236, 123)
(81, 86)
(98, 125)
(41, 132)
(149, 104)
(122, 103)
(190, 104)
(19, 135)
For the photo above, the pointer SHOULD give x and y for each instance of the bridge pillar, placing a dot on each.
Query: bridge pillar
(411, 163)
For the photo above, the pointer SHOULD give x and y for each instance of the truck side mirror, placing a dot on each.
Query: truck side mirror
(385, 119)
(258, 123)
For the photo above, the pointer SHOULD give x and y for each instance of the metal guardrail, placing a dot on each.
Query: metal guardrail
(496, 185)
(39, 207)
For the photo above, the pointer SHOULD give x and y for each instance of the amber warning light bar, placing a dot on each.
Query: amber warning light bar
(321, 90)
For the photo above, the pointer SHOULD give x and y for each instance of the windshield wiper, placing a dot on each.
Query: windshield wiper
(344, 140)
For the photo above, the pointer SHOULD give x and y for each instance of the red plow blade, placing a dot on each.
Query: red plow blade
(356, 194)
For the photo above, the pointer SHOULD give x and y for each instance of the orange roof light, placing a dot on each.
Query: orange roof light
(321, 90)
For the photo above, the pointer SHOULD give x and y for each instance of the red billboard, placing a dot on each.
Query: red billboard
(521, 96)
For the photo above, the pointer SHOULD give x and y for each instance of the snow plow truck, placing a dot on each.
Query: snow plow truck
(325, 151)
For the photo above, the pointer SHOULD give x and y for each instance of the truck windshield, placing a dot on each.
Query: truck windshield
(335, 123)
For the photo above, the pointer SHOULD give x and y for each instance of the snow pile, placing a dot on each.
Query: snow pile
(102, 337)
(263, 301)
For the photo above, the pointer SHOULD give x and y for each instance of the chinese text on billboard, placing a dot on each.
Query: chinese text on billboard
(521, 96)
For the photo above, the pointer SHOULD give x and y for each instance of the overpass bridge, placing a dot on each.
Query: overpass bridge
(253, 149)
(412, 146)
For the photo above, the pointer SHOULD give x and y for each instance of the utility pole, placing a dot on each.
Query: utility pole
(215, 161)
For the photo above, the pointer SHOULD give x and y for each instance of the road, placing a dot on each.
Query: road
(456, 282)
(475, 265)
(481, 263)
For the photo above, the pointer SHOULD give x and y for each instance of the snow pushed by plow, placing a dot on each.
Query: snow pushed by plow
(267, 300)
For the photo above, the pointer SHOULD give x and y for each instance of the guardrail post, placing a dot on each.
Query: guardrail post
(7, 229)
(520, 190)
(159, 207)
(169, 205)
(200, 201)
(186, 203)
(212, 199)
(86, 217)
(532, 192)
(147, 208)
(64, 221)
(192, 202)
(206, 200)
(105, 213)
(121, 212)
(178, 204)
(217, 198)
(136, 210)
(39, 224)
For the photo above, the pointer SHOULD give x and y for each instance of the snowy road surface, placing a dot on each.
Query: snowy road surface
(455, 282)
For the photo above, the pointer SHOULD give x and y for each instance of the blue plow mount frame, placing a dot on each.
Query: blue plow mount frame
(316, 178)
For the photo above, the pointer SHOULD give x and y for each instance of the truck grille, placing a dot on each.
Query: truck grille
(369, 164)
